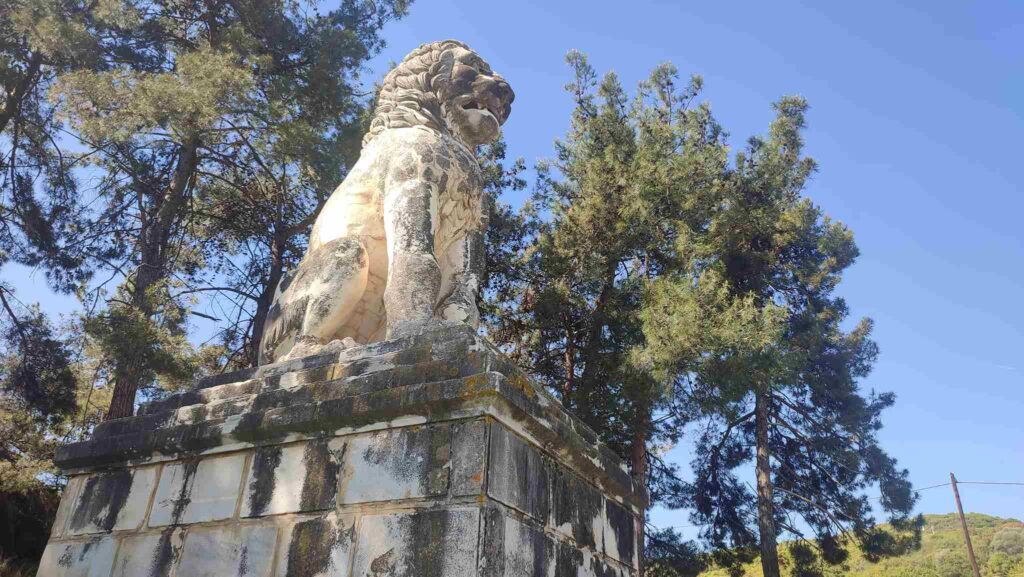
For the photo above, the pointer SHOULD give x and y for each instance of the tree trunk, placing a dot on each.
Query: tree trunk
(266, 299)
(152, 247)
(765, 498)
(638, 463)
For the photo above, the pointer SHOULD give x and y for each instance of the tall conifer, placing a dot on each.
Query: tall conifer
(756, 327)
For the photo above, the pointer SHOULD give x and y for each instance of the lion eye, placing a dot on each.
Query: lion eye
(465, 72)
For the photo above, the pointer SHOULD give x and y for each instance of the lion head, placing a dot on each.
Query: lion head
(445, 86)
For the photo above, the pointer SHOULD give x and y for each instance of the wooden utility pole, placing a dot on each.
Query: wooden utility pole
(963, 523)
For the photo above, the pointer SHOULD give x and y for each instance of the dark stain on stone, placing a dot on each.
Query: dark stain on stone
(103, 497)
(384, 564)
(575, 502)
(568, 560)
(261, 487)
(321, 483)
(427, 548)
(309, 551)
(621, 522)
(65, 558)
(243, 561)
(188, 474)
(540, 551)
(416, 453)
(164, 556)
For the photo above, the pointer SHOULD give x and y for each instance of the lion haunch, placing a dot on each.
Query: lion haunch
(400, 242)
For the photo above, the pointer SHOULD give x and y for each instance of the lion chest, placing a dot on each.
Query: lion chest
(356, 207)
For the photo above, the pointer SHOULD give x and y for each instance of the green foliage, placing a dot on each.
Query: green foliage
(941, 553)
(651, 282)
(12, 568)
(212, 132)
(35, 365)
(1009, 540)
(752, 321)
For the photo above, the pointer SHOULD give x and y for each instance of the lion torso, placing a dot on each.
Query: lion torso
(400, 242)
(355, 208)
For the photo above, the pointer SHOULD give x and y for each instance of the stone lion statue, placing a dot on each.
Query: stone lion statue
(399, 243)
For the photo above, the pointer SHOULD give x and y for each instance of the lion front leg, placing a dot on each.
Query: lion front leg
(414, 277)
(313, 303)
(462, 273)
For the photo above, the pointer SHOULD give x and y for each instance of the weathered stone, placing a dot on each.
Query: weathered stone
(519, 549)
(402, 463)
(469, 450)
(291, 478)
(577, 509)
(318, 547)
(371, 460)
(399, 243)
(112, 500)
(240, 551)
(195, 491)
(67, 503)
(421, 544)
(149, 554)
(513, 548)
(518, 475)
(619, 539)
(91, 558)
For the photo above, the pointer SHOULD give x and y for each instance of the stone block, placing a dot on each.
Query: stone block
(515, 549)
(112, 500)
(440, 543)
(405, 463)
(619, 533)
(237, 551)
(67, 503)
(92, 558)
(196, 491)
(577, 509)
(149, 554)
(469, 449)
(518, 475)
(317, 547)
(291, 478)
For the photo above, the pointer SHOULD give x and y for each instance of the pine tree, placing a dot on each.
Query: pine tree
(756, 327)
(567, 302)
(192, 98)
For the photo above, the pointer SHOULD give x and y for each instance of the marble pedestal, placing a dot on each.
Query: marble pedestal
(426, 456)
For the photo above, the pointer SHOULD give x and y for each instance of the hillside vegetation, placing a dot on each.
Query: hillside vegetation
(998, 545)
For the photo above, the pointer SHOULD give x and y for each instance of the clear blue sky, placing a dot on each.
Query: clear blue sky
(917, 122)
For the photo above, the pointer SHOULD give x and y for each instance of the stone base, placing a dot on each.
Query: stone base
(424, 456)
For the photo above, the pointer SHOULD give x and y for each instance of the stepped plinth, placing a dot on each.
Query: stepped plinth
(426, 456)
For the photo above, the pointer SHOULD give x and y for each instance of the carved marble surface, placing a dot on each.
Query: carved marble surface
(400, 242)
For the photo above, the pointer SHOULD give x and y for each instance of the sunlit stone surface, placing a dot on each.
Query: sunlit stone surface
(424, 456)
(400, 242)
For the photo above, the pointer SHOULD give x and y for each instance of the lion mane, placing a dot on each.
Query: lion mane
(411, 93)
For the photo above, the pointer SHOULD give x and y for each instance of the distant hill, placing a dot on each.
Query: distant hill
(998, 545)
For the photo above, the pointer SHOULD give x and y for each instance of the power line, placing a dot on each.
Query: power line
(932, 487)
(947, 484)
